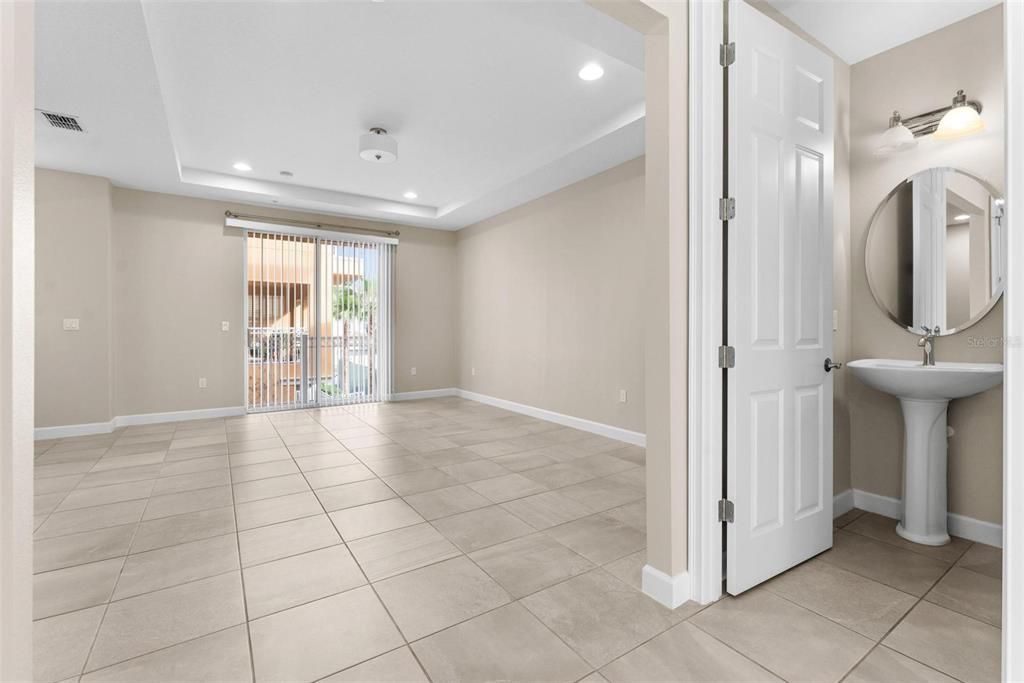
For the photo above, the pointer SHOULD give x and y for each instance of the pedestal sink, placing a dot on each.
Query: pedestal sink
(924, 392)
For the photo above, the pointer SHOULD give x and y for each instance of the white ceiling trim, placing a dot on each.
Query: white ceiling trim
(125, 68)
(287, 192)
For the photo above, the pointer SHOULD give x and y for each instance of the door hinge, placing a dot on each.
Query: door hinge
(726, 357)
(726, 511)
(726, 209)
(726, 54)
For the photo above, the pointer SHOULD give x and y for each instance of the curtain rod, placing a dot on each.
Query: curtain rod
(310, 224)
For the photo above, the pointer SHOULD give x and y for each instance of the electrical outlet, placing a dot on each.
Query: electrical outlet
(202, 382)
(412, 371)
(225, 326)
(622, 395)
(473, 372)
(71, 325)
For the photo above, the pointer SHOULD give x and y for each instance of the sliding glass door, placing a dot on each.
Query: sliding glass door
(319, 314)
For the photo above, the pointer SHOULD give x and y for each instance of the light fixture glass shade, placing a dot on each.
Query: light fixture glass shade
(377, 146)
(960, 121)
(897, 137)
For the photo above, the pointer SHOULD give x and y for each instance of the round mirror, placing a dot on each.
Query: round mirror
(935, 251)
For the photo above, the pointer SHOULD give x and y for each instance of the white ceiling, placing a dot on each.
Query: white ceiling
(483, 99)
(857, 29)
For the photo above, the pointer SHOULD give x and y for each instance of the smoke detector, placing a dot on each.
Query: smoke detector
(378, 147)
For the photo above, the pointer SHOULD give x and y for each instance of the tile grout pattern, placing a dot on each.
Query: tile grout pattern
(850, 517)
(449, 528)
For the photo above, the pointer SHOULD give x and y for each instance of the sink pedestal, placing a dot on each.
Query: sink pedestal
(924, 473)
(924, 392)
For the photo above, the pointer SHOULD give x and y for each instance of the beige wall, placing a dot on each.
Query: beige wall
(73, 371)
(551, 311)
(665, 25)
(177, 275)
(427, 311)
(666, 288)
(914, 78)
(174, 274)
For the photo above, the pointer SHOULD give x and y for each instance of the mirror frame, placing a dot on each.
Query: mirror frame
(872, 234)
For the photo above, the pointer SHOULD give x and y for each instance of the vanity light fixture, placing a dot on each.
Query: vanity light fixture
(961, 217)
(962, 119)
(959, 120)
(897, 137)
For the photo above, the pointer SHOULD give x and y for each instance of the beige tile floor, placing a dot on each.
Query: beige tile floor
(446, 540)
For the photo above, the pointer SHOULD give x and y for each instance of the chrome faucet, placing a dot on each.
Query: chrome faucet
(927, 342)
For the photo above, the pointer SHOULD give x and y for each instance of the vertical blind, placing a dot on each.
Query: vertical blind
(320, 314)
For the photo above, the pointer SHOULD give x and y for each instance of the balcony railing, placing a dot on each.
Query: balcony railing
(283, 372)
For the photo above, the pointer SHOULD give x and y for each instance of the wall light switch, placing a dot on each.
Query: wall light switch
(412, 371)
(835, 320)
(622, 395)
(202, 382)
(473, 372)
(225, 326)
(71, 324)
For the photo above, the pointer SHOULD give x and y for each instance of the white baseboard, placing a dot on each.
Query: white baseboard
(64, 431)
(880, 505)
(178, 416)
(959, 525)
(670, 591)
(427, 393)
(842, 503)
(976, 530)
(635, 438)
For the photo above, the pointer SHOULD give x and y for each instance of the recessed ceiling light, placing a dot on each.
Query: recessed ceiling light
(962, 217)
(241, 166)
(410, 195)
(591, 71)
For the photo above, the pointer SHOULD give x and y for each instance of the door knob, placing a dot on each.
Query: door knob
(829, 365)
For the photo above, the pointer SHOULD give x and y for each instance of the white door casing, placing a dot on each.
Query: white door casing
(779, 410)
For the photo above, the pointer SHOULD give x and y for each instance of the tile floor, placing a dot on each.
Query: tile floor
(445, 540)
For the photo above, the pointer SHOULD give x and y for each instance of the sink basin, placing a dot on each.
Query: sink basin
(942, 381)
(924, 392)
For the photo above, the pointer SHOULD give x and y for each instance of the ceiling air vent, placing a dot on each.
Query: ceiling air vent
(62, 121)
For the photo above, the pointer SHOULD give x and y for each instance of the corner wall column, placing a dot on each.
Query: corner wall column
(17, 315)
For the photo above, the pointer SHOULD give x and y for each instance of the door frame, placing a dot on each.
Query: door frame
(704, 464)
(286, 227)
(704, 410)
(1013, 359)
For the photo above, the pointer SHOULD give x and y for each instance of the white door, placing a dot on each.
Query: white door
(779, 413)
